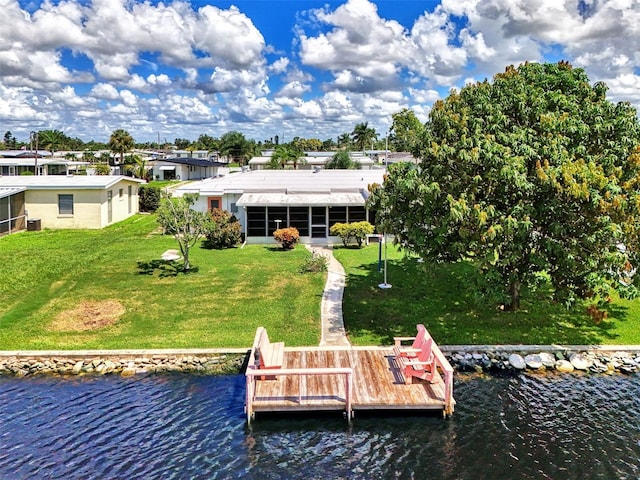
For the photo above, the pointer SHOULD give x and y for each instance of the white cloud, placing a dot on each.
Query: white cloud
(105, 91)
(196, 68)
(280, 65)
(293, 89)
(359, 42)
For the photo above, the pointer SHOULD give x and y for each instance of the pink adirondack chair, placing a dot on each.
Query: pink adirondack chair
(422, 366)
(400, 350)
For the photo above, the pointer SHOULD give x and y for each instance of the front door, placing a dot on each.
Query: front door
(318, 222)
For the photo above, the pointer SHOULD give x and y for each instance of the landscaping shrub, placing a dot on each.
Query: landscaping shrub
(360, 230)
(149, 198)
(343, 231)
(222, 230)
(288, 237)
(347, 232)
(314, 263)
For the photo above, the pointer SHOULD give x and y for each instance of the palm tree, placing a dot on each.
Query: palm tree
(139, 168)
(105, 157)
(344, 140)
(120, 142)
(51, 140)
(285, 155)
(363, 135)
(89, 156)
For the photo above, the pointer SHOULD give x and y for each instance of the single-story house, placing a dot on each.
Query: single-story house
(309, 200)
(17, 162)
(179, 168)
(311, 160)
(67, 201)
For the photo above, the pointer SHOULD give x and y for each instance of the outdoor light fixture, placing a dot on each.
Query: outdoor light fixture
(385, 285)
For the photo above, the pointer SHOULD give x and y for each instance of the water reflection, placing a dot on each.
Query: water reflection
(181, 426)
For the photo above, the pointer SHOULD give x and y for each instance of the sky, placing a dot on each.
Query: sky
(312, 69)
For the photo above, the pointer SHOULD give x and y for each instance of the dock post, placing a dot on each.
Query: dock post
(348, 395)
(249, 400)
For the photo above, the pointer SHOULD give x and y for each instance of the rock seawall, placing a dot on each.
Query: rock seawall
(478, 361)
(125, 366)
(626, 362)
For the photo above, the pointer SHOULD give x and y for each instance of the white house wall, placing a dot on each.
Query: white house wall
(90, 208)
(43, 204)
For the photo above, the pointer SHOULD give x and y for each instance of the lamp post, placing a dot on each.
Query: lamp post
(33, 137)
(385, 285)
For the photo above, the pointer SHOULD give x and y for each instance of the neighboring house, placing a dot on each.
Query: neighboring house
(309, 200)
(17, 162)
(311, 160)
(83, 201)
(201, 154)
(399, 157)
(178, 168)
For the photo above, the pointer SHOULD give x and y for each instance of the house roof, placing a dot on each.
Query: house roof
(30, 161)
(302, 199)
(290, 187)
(8, 191)
(23, 154)
(75, 182)
(196, 162)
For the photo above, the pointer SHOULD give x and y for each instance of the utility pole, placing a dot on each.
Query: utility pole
(34, 140)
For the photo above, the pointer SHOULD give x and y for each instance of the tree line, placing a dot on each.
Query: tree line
(402, 136)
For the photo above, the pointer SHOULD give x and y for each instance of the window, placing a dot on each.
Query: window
(277, 218)
(337, 215)
(256, 222)
(357, 214)
(215, 202)
(65, 204)
(299, 218)
(121, 193)
(129, 196)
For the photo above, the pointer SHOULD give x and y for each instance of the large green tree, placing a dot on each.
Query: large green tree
(121, 142)
(342, 161)
(405, 132)
(235, 146)
(534, 172)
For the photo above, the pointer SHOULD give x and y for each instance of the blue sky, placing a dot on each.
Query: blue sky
(289, 68)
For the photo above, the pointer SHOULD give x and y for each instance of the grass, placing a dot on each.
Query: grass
(48, 274)
(441, 297)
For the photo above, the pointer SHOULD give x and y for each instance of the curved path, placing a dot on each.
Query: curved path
(333, 332)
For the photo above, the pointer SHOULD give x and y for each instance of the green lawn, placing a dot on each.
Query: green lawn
(441, 297)
(48, 274)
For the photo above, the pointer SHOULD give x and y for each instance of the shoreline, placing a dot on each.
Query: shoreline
(595, 359)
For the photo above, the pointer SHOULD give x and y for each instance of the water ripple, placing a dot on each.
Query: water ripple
(181, 426)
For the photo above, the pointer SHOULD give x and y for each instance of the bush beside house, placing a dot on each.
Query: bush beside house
(149, 198)
(288, 237)
(349, 232)
(222, 230)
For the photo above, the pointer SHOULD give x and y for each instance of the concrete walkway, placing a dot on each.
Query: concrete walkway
(333, 332)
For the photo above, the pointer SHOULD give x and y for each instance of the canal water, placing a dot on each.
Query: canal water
(185, 426)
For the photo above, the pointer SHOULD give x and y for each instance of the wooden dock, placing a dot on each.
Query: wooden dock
(344, 378)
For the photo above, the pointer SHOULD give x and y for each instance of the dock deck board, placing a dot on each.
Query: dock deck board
(377, 383)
